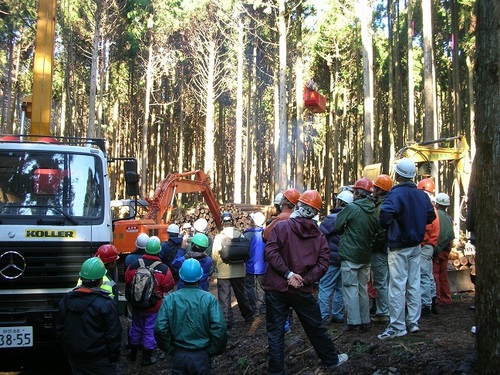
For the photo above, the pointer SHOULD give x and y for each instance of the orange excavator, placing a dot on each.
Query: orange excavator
(159, 213)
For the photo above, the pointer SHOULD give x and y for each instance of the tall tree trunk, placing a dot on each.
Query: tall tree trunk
(91, 132)
(429, 109)
(283, 123)
(238, 152)
(146, 136)
(299, 85)
(487, 197)
(210, 106)
(411, 82)
(365, 16)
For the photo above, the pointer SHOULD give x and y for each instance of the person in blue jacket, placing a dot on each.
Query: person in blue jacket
(331, 301)
(404, 214)
(196, 249)
(255, 266)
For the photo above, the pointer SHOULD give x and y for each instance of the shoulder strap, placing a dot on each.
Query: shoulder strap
(155, 264)
(141, 262)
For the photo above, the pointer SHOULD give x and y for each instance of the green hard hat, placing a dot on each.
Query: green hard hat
(92, 269)
(200, 240)
(153, 246)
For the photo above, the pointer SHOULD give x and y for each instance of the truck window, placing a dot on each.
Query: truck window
(35, 183)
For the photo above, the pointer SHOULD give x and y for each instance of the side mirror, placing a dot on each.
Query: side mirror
(131, 178)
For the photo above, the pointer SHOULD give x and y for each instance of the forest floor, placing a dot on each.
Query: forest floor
(444, 345)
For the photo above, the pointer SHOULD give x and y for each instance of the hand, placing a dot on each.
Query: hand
(296, 281)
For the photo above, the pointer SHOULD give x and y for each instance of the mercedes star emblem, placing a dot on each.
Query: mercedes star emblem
(12, 265)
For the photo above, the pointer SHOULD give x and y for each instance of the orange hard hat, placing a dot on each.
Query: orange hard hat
(383, 182)
(311, 198)
(292, 195)
(427, 184)
(108, 253)
(364, 184)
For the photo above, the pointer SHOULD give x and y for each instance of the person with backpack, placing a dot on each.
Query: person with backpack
(169, 248)
(202, 333)
(255, 266)
(231, 273)
(88, 324)
(147, 280)
(196, 249)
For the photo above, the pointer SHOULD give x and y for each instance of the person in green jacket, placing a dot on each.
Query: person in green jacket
(358, 224)
(191, 325)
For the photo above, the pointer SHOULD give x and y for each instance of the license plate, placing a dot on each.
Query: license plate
(15, 337)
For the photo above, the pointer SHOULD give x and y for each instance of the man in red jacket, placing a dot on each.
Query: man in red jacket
(143, 318)
(297, 254)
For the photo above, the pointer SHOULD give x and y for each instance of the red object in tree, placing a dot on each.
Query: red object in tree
(314, 101)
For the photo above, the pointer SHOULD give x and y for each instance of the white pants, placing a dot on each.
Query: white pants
(404, 286)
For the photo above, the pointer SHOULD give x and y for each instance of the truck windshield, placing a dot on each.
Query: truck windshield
(50, 184)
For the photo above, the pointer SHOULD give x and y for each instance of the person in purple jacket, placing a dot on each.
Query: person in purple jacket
(297, 254)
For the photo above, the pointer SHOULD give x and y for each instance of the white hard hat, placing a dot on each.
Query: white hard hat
(278, 198)
(200, 225)
(406, 168)
(345, 196)
(141, 241)
(443, 199)
(173, 228)
(258, 218)
(186, 226)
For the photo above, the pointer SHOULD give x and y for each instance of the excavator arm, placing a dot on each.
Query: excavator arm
(162, 201)
(425, 152)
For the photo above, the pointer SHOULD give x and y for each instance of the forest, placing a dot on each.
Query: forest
(218, 85)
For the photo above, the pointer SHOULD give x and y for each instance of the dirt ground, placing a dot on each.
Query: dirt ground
(444, 345)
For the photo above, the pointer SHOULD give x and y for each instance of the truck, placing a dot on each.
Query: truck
(55, 209)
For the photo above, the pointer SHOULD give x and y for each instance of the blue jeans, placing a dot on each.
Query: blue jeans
(331, 301)
(306, 308)
(253, 284)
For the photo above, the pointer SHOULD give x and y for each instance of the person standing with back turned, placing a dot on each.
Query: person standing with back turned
(297, 254)
(405, 213)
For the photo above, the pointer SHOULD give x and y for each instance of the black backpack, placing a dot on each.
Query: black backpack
(235, 250)
(141, 292)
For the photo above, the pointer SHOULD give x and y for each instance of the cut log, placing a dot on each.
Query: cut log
(456, 263)
(464, 261)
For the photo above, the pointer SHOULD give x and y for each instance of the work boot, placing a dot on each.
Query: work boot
(147, 358)
(132, 353)
(434, 306)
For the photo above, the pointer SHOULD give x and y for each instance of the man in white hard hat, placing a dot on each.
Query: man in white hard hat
(404, 214)
(445, 242)
(201, 226)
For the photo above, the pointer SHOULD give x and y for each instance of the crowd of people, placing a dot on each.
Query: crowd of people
(391, 239)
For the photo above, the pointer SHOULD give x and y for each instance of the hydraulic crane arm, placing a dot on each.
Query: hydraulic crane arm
(162, 201)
